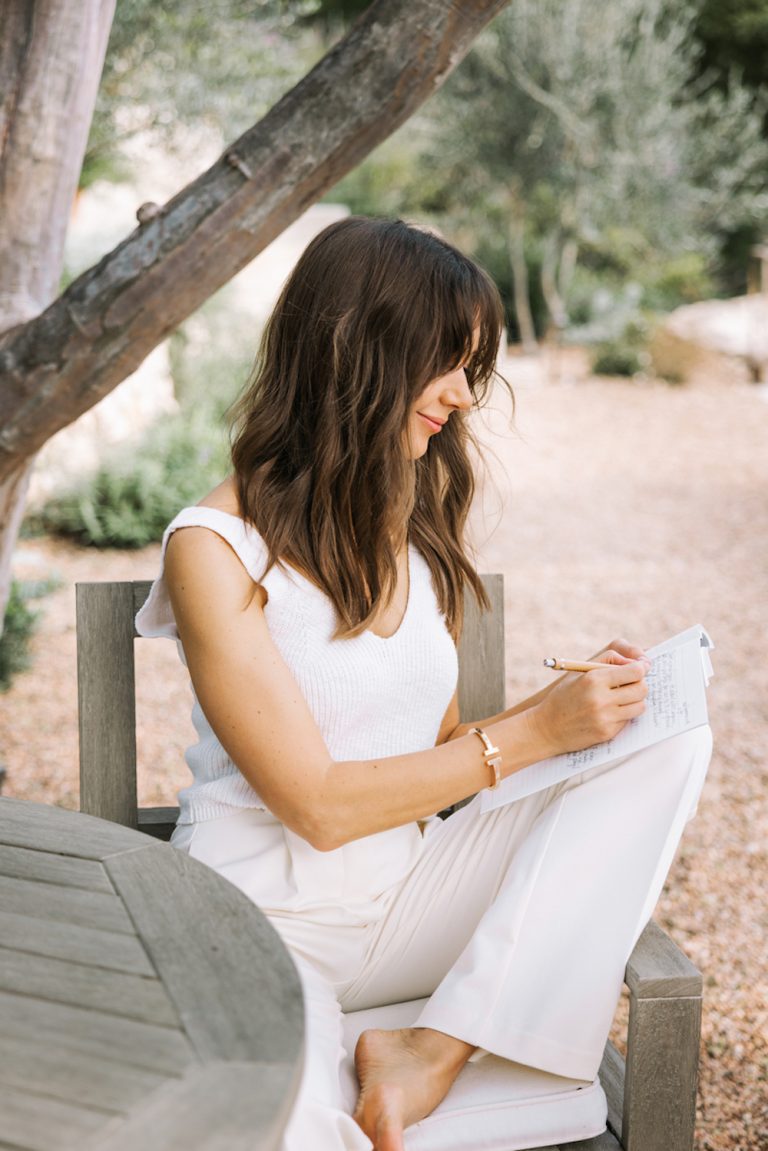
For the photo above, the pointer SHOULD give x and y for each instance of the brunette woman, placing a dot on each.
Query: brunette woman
(317, 595)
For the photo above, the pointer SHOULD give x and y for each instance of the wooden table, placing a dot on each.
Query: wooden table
(145, 1003)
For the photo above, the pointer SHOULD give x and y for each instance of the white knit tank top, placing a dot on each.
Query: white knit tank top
(370, 697)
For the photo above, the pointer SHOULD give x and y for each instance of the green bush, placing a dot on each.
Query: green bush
(604, 296)
(683, 279)
(617, 358)
(626, 354)
(492, 254)
(129, 500)
(17, 631)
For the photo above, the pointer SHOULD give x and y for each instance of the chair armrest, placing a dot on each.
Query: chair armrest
(658, 1109)
(658, 969)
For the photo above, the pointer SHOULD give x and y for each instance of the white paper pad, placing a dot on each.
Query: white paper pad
(677, 701)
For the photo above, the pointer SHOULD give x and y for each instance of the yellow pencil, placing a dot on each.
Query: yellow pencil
(573, 664)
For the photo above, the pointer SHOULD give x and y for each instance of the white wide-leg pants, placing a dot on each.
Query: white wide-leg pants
(516, 923)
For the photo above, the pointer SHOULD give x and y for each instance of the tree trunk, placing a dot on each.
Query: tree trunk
(51, 57)
(568, 259)
(58, 365)
(549, 283)
(520, 285)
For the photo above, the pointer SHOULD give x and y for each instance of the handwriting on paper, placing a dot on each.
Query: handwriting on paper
(676, 702)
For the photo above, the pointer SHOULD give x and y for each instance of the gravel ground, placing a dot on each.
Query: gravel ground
(614, 508)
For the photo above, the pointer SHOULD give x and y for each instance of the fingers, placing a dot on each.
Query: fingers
(629, 711)
(622, 651)
(627, 703)
(623, 687)
(611, 655)
(627, 649)
(597, 704)
(622, 674)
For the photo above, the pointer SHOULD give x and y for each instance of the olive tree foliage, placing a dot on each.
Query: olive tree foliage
(734, 38)
(570, 122)
(190, 67)
(57, 364)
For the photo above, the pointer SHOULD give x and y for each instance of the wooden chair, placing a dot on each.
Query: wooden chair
(651, 1097)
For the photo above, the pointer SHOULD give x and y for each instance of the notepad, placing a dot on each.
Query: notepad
(680, 671)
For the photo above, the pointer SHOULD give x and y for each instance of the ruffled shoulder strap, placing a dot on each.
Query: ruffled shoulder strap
(156, 618)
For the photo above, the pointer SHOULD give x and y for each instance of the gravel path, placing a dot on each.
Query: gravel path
(628, 509)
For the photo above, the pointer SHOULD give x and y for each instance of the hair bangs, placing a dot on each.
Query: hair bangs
(467, 324)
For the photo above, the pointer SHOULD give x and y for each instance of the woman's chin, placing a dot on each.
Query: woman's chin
(418, 448)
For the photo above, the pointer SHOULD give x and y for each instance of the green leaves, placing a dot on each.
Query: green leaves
(19, 624)
(130, 500)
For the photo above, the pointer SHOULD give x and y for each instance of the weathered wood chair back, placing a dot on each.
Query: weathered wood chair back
(107, 698)
(652, 1100)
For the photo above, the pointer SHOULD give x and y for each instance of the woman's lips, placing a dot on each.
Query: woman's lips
(433, 424)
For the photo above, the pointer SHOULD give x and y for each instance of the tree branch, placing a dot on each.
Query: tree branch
(61, 363)
(575, 127)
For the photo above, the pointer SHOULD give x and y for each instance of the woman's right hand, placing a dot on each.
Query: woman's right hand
(584, 708)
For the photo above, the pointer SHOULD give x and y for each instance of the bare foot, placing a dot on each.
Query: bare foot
(403, 1076)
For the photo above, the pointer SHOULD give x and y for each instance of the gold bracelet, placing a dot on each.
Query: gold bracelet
(491, 755)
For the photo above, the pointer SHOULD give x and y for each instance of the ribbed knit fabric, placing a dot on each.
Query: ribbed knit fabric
(370, 697)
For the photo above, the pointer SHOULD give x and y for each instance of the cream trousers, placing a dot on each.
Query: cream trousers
(516, 923)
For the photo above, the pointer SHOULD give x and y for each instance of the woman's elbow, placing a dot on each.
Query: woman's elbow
(321, 824)
(308, 811)
(327, 843)
(322, 832)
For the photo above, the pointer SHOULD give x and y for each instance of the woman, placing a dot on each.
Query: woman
(317, 595)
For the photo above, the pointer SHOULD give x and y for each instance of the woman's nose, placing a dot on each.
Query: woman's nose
(458, 390)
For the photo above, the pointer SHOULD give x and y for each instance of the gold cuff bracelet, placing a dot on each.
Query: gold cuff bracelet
(491, 755)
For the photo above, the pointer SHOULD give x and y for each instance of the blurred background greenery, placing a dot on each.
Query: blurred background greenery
(606, 162)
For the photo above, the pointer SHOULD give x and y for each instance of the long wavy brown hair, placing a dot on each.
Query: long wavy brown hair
(373, 311)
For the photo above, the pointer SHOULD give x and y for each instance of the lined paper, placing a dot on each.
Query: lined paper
(677, 701)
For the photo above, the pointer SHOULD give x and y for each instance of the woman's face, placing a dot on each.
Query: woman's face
(432, 408)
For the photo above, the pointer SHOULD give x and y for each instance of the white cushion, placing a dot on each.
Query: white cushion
(494, 1105)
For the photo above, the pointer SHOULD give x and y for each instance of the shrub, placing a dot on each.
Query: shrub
(679, 280)
(129, 500)
(616, 359)
(17, 631)
(625, 354)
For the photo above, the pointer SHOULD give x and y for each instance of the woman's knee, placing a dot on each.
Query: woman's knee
(696, 753)
(692, 750)
(698, 741)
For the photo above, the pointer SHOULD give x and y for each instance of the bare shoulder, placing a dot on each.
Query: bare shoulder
(223, 497)
(201, 566)
(196, 554)
(203, 571)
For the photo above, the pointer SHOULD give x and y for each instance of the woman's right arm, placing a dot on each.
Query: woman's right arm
(258, 713)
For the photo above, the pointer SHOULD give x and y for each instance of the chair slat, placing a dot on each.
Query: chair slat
(107, 702)
(158, 822)
(140, 592)
(481, 654)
